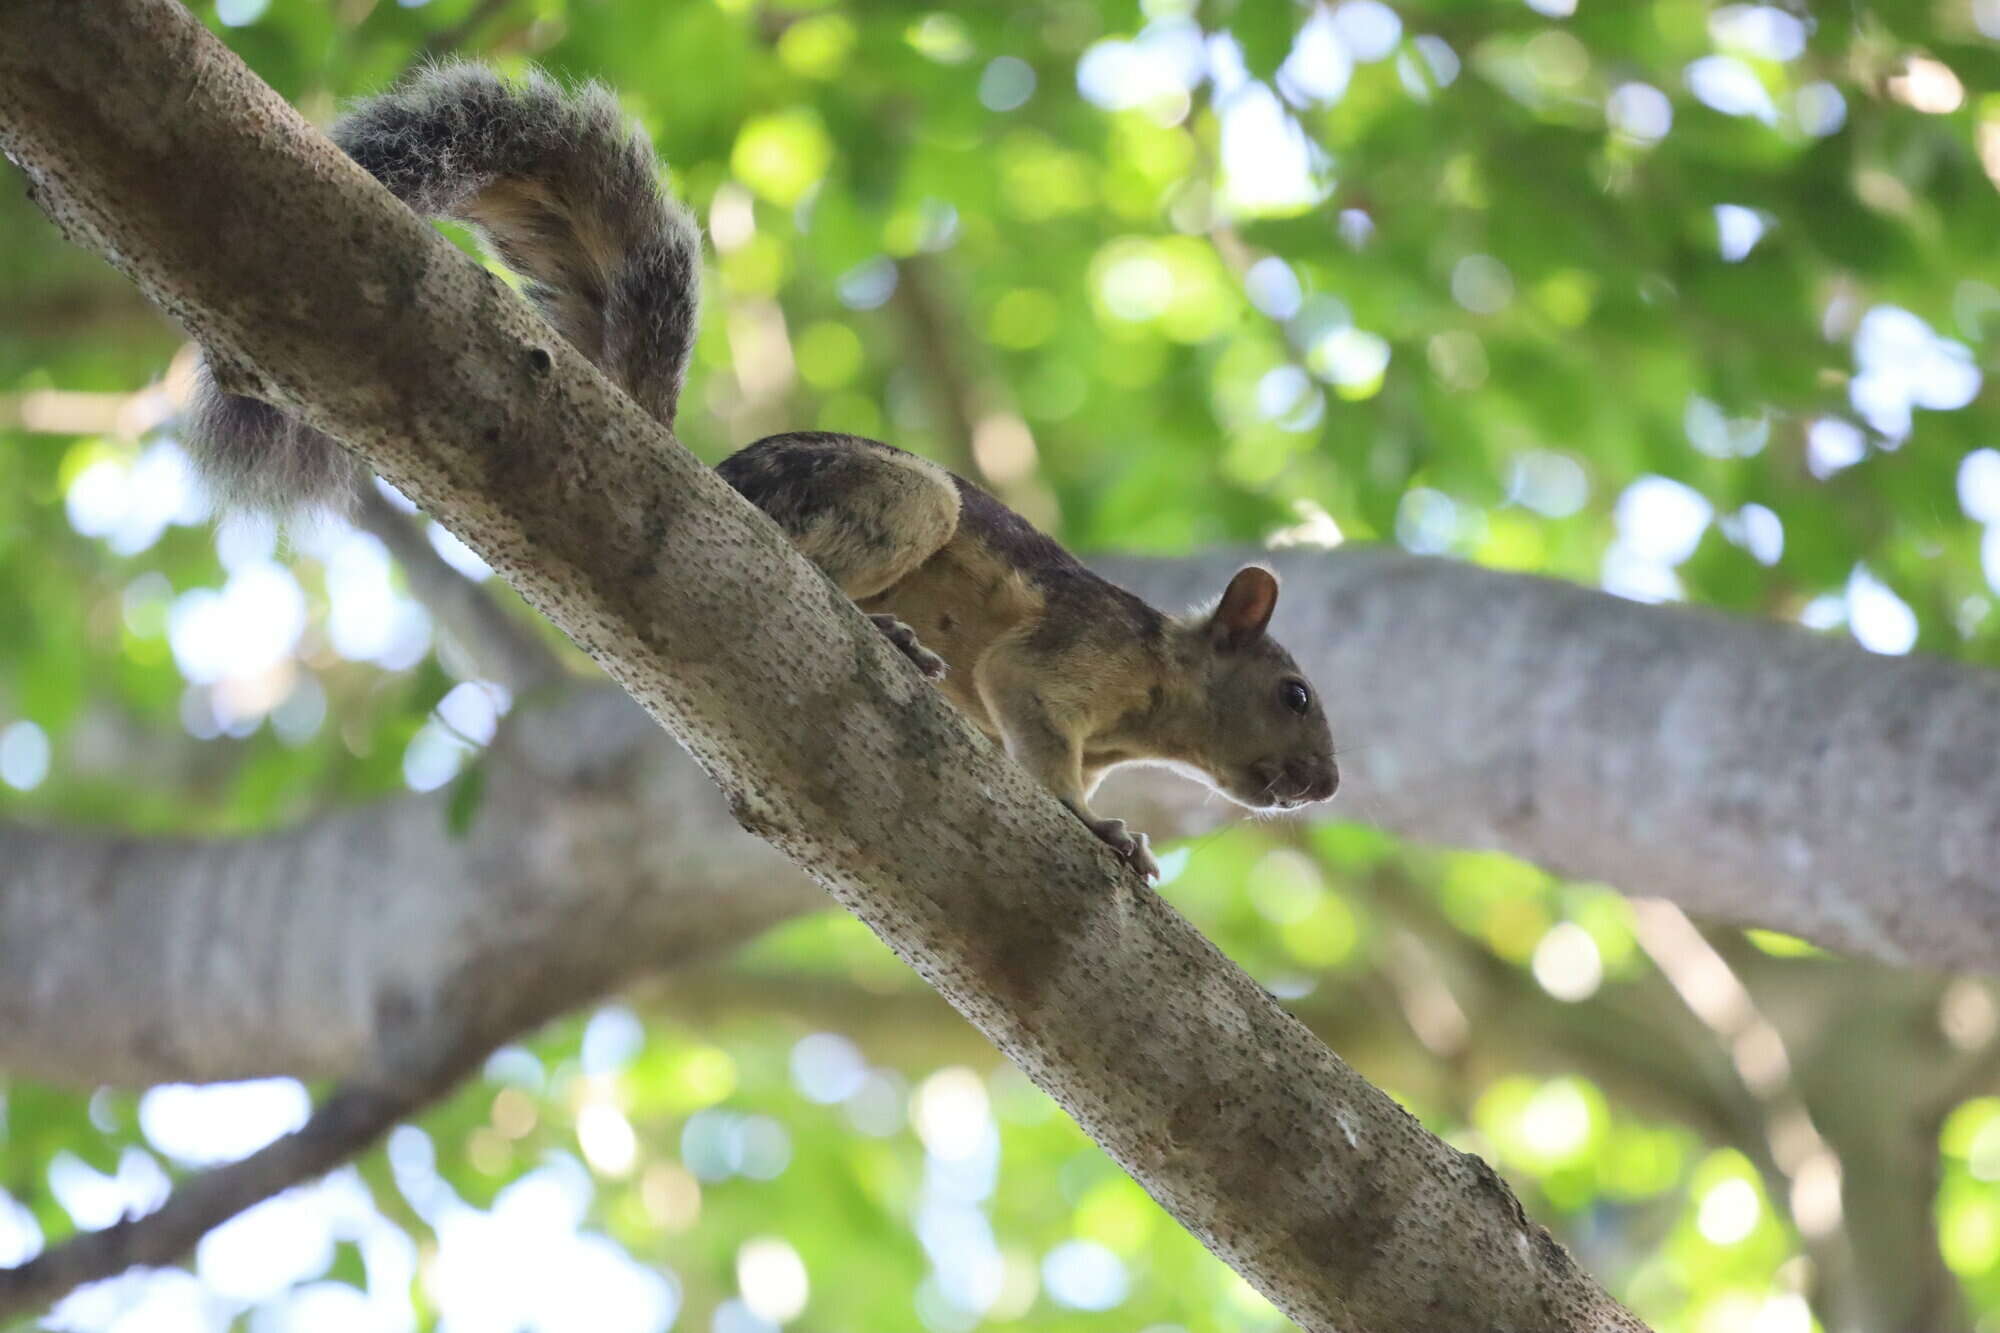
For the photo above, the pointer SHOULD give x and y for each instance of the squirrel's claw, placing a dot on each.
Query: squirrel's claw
(905, 638)
(1131, 848)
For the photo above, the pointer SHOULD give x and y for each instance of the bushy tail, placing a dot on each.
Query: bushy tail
(563, 189)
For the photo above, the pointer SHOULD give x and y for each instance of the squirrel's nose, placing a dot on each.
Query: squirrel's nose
(1328, 784)
(1311, 780)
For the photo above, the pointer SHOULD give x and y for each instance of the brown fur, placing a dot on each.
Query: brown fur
(1070, 672)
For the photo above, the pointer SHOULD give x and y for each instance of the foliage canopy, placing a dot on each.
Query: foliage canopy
(1696, 302)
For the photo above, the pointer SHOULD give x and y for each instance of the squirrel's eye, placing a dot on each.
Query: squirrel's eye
(1296, 696)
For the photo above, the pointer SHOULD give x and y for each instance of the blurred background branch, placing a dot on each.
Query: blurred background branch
(1686, 302)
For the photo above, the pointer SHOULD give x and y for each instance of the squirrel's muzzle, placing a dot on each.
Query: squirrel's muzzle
(1299, 780)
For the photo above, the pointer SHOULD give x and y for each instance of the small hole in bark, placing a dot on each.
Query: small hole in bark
(539, 360)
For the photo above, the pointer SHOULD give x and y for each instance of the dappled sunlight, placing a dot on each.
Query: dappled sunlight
(1084, 1276)
(1320, 65)
(828, 1068)
(20, 1234)
(1758, 530)
(719, 1144)
(773, 1279)
(1882, 622)
(1902, 364)
(527, 1264)
(1154, 72)
(129, 501)
(1567, 963)
(95, 1199)
(24, 755)
(1728, 1212)
(1929, 86)
(1660, 523)
(1686, 302)
(1640, 111)
(221, 1122)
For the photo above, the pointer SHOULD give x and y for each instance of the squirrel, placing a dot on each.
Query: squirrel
(1072, 674)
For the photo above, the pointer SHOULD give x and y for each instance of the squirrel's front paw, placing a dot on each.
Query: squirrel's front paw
(905, 638)
(1131, 847)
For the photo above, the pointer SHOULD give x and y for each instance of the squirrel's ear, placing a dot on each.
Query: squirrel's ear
(1245, 609)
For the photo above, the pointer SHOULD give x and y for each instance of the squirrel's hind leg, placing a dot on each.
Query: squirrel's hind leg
(864, 512)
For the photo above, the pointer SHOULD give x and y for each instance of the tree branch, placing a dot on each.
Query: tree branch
(504, 648)
(340, 1128)
(362, 943)
(933, 338)
(131, 120)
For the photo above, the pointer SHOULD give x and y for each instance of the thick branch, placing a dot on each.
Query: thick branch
(132, 121)
(375, 940)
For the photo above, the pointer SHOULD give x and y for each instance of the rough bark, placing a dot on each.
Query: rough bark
(148, 142)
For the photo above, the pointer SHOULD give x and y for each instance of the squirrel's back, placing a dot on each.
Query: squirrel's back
(563, 188)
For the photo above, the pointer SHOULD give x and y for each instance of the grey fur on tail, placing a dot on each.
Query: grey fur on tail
(252, 456)
(563, 189)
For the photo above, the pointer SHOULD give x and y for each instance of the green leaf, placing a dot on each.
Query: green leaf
(468, 793)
